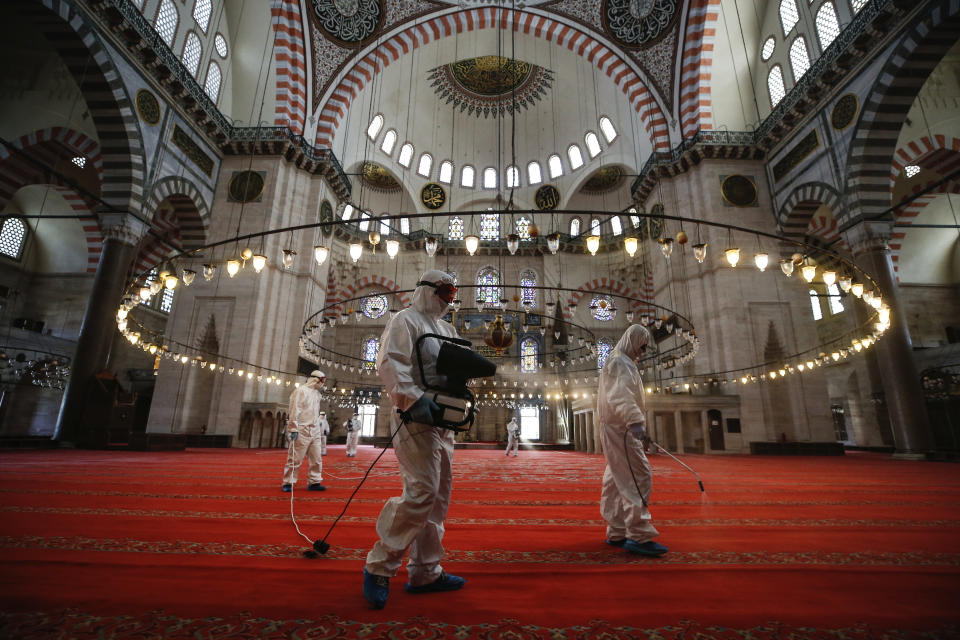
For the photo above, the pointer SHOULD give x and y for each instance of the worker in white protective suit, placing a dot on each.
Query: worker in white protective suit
(627, 480)
(352, 425)
(414, 520)
(303, 434)
(324, 432)
(513, 436)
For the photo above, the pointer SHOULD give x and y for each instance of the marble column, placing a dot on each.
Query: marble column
(121, 235)
(898, 373)
(678, 428)
(591, 440)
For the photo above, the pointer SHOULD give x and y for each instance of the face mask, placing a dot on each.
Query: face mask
(445, 290)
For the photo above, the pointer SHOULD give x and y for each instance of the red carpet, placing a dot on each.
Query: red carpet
(199, 544)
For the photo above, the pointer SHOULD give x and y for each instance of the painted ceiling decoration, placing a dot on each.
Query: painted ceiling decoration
(378, 178)
(490, 85)
(635, 23)
(350, 21)
(603, 180)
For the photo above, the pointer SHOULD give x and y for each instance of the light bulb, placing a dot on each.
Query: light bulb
(845, 283)
(320, 254)
(356, 250)
(233, 267)
(374, 237)
(513, 243)
(884, 313)
(155, 286)
(170, 282)
(288, 256)
(856, 289)
(209, 270)
(188, 275)
(666, 246)
(876, 301)
(630, 245)
(430, 246)
(700, 251)
(145, 293)
(761, 260)
(829, 277)
(809, 272)
(259, 262)
(733, 256)
(593, 243)
(246, 254)
(553, 242)
(786, 265)
(121, 313)
(472, 242)
(393, 248)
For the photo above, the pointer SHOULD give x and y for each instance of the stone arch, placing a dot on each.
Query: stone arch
(906, 215)
(938, 153)
(874, 141)
(191, 210)
(796, 219)
(91, 230)
(107, 101)
(353, 290)
(696, 63)
(574, 37)
(607, 285)
(291, 64)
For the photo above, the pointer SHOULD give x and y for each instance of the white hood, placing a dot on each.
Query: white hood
(426, 300)
(635, 338)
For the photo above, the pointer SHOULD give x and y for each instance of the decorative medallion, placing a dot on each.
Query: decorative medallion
(433, 196)
(844, 112)
(547, 198)
(603, 180)
(378, 178)
(652, 226)
(246, 186)
(739, 191)
(326, 215)
(192, 150)
(349, 21)
(795, 156)
(490, 85)
(147, 106)
(635, 23)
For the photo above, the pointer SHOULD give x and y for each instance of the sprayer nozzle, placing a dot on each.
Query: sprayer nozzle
(321, 547)
(700, 482)
(310, 554)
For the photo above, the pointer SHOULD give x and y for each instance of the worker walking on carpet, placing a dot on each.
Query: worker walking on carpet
(513, 436)
(303, 434)
(352, 425)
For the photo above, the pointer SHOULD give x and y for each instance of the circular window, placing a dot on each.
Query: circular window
(374, 306)
(768, 48)
(603, 308)
(221, 45)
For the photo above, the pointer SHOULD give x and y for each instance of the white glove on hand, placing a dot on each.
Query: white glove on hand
(638, 430)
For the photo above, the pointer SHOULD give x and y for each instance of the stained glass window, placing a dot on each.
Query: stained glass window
(488, 286)
(575, 227)
(11, 237)
(528, 294)
(166, 22)
(455, 229)
(602, 307)
(523, 228)
(370, 348)
(604, 345)
(528, 355)
(374, 306)
(489, 226)
(212, 85)
(606, 128)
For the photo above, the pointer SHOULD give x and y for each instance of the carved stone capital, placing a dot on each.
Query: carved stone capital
(123, 227)
(869, 236)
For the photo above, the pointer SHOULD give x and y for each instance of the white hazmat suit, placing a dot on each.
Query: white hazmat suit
(352, 425)
(424, 453)
(620, 405)
(513, 436)
(324, 432)
(304, 421)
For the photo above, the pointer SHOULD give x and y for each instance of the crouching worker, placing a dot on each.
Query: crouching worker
(304, 431)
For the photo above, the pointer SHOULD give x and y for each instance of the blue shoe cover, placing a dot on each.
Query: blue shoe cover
(615, 543)
(376, 589)
(445, 582)
(316, 486)
(649, 548)
(287, 488)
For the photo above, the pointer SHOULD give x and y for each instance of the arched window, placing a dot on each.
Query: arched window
(911, 170)
(384, 228)
(220, 44)
(634, 219)
(406, 155)
(192, 49)
(616, 225)
(523, 228)
(446, 172)
(389, 140)
(775, 85)
(375, 125)
(604, 346)
(374, 306)
(815, 305)
(489, 178)
(828, 27)
(12, 234)
(799, 59)
(212, 85)
(768, 46)
(166, 21)
(488, 286)
(555, 166)
(575, 156)
(856, 5)
(835, 305)
(575, 227)
(528, 292)
(201, 13)
(528, 355)
(606, 128)
(166, 301)
(602, 307)
(789, 16)
(364, 221)
(426, 163)
(405, 226)
(489, 226)
(455, 228)
(593, 144)
(533, 173)
(369, 352)
(595, 227)
(347, 212)
(468, 177)
(513, 177)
